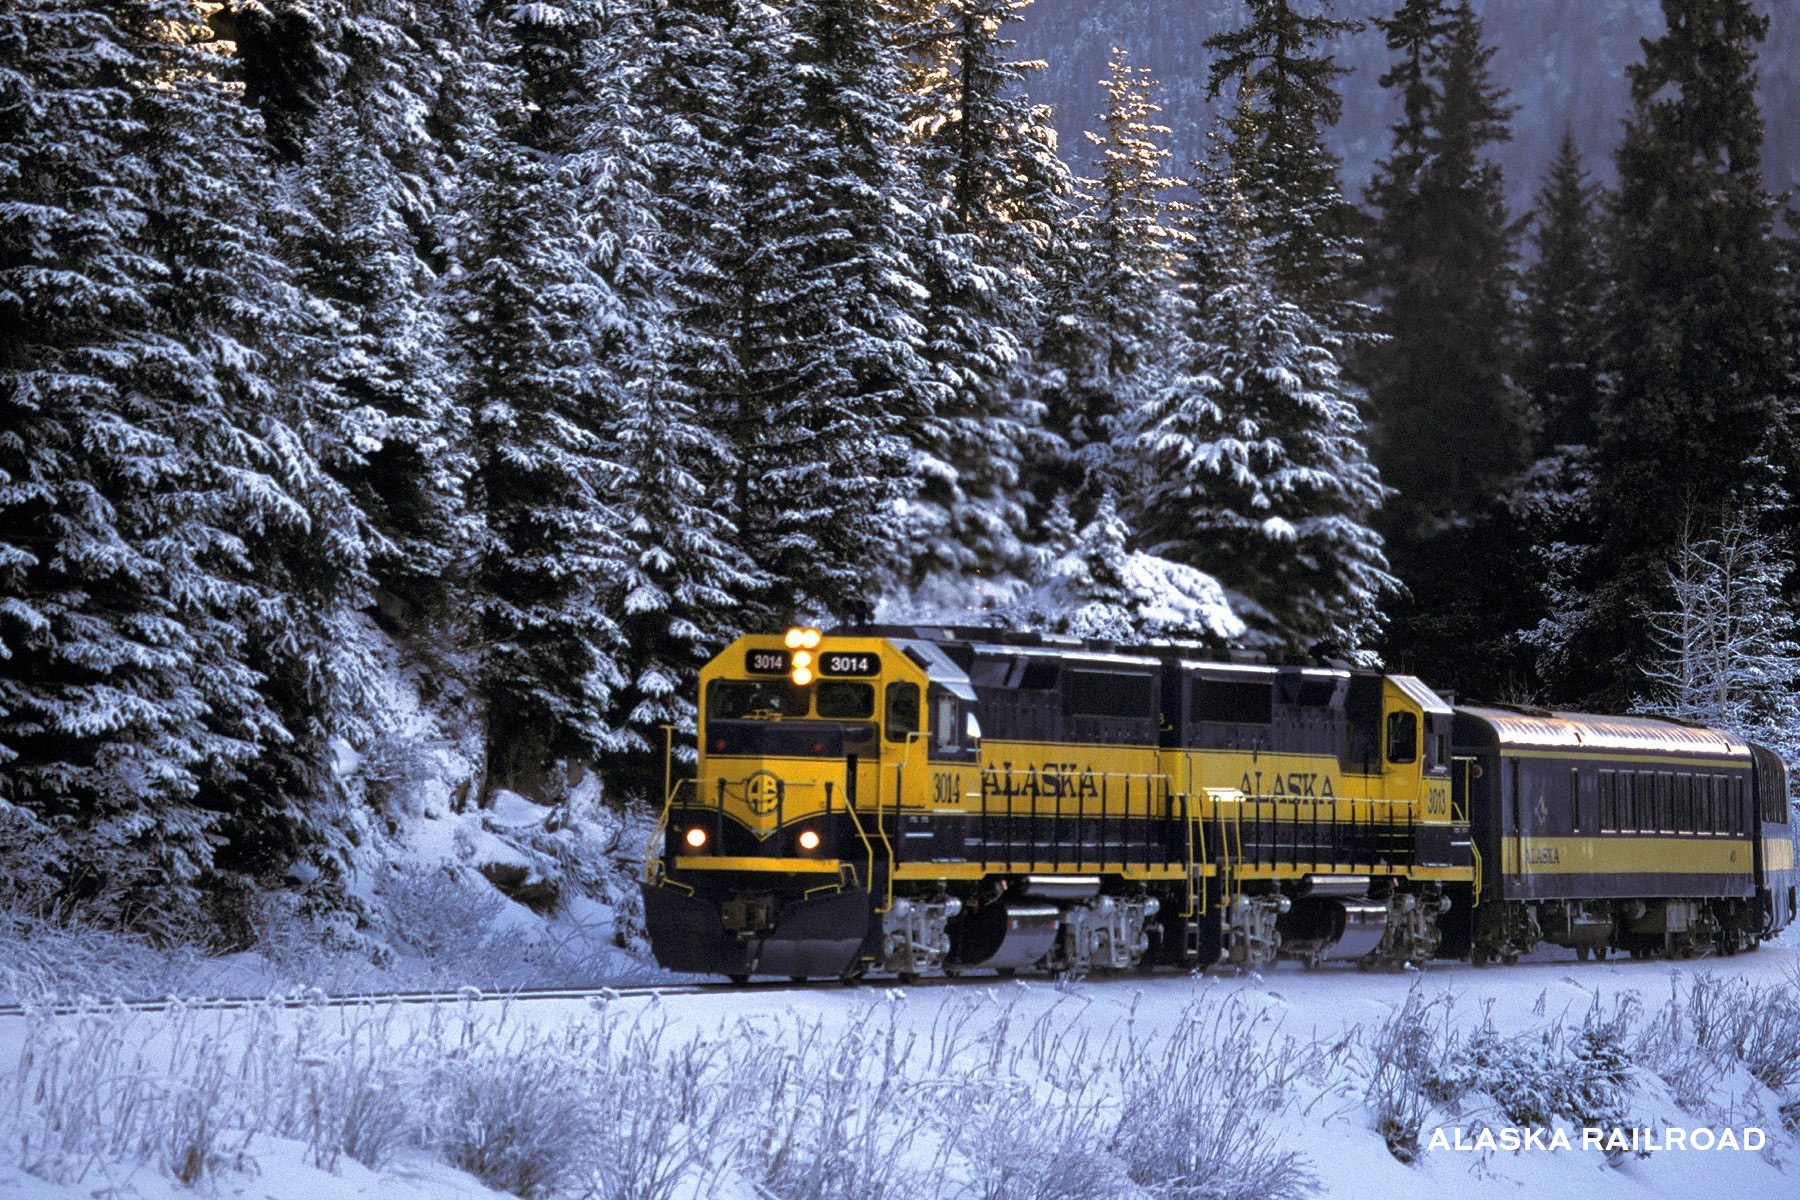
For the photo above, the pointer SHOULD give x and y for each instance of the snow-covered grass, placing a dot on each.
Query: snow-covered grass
(45, 957)
(1175, 1089)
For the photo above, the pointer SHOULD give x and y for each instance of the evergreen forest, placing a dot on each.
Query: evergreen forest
(535, 350)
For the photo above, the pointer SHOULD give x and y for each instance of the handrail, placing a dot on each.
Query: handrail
(856, 820)
(660, 831)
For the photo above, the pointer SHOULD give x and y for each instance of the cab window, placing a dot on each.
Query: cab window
(946, 722)
(735, 699)
(1402, 737)
(902, 711)
(838, 700)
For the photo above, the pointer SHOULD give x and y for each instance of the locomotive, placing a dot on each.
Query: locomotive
(943, 799)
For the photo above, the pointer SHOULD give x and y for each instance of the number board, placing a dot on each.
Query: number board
(845, 662)
(766, 662)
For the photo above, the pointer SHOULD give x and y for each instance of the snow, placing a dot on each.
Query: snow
(961, 1056)
(278, 1170)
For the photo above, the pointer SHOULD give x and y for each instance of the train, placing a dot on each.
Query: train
(916, 800)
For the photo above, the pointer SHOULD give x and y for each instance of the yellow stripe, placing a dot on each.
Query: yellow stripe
(774, 866)
(1778, 854)
(1648, 855)
(974, 870)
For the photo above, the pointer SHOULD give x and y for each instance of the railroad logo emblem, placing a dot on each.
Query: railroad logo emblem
(762, 792)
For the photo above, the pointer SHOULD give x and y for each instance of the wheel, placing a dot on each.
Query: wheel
(1509, 959)
(853, 974)
(740, 980)
(907, 976)
(1581, 954)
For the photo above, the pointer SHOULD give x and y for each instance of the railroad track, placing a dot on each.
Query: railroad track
(468, 995)
(473, 995)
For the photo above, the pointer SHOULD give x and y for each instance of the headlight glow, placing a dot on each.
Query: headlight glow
(809, 840)
(801, 676)
(696, 838)
(792, 638)
(810, 638)
(802, 659)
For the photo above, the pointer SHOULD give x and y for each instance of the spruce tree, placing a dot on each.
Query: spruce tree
(395, 435)
(1283, 86)
(1561, 362)
(1253, 462)
(1693, 346)
(1102, 351)
(1441, 270)
(833, 334)
(996, 197)
(686, 581)
(178, 566)
(546, 476)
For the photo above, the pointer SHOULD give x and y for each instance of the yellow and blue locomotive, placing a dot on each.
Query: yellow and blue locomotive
(918, 799)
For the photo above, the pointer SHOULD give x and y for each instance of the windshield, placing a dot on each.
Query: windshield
(733, 699)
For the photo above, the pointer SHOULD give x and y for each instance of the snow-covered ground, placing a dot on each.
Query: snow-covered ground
(1163, 1085)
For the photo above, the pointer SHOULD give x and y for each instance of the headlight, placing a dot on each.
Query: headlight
(801, 676)
(791, 639)
(809, 840)
(696, 838)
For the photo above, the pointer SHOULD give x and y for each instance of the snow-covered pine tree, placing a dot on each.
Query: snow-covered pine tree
(1103, 347)
(686, 578)
(1728, 644)
(1440, 270)
(396, 436)
(1089, 582)
(1561, 361)
(1693, 348)
(688, 98)
(1253, 464)
(532, 304)
(997, 199)
(832, 337)
(1284, 96)
(176, 561)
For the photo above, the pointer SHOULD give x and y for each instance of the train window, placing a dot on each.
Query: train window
(1575, 799)
(840, 700)
(1628, 801)
(1609, 817)
(735, 699)
(1402, 737)
(902, 711)
(1232, 703)
(946, 722)
(1040, 674)
(1684, 802)
(1110, 694)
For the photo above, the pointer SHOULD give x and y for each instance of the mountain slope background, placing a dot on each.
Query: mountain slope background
(1563, 61)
